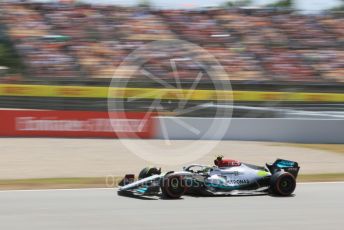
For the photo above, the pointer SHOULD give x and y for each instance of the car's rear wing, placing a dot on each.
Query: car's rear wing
(291, 167)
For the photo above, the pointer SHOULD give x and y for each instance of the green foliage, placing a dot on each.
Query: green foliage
(283, 3)
(237, 3)
(145, 4)
(8, 58)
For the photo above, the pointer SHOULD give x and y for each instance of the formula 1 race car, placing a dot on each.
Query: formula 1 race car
(227, 177)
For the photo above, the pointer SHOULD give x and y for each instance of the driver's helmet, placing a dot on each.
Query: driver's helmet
(220, 162)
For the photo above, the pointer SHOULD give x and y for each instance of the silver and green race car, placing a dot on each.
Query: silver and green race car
(226, 177)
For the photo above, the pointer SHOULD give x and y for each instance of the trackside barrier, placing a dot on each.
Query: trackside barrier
(55, 123)
(167, 94)
(51, 123)
(252, 129)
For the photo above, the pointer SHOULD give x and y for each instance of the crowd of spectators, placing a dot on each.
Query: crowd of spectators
(91, 41)
(28, 29)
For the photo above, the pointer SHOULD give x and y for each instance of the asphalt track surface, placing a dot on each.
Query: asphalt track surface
(314, 206)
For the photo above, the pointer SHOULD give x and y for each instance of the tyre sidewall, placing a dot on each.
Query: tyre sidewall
(277, 180)
(171, 192)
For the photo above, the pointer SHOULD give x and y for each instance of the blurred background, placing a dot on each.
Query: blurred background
(283, 58)
(61, 71)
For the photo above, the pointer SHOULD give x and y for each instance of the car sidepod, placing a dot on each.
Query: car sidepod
(234, 180)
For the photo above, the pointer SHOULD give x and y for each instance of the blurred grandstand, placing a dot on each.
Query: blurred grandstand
(260, 49)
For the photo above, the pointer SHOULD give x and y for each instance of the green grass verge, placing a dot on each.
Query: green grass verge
(335, 148)
(102, 182)
(321, 177)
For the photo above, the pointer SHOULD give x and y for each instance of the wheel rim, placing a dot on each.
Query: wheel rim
(286, 184)
(175, 187)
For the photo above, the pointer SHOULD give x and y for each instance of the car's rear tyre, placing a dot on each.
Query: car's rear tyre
(173, 187)
(149, 171)
(282, 183)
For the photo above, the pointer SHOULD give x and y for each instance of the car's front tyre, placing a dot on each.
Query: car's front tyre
(173, 187)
